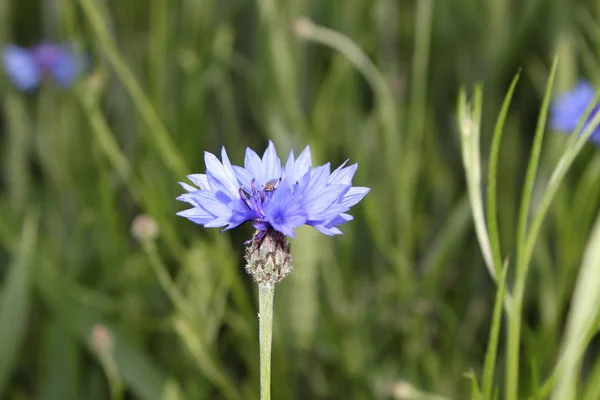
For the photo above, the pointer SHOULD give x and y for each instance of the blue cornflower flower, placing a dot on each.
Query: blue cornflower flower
(570, 107)
(271, 195)
(25, 67)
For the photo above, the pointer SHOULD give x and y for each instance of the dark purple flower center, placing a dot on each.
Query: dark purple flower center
(254, 201)
(47, 55)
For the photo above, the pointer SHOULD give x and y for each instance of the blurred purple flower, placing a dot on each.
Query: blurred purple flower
(570, 107)
(25, 67)
(271, 195)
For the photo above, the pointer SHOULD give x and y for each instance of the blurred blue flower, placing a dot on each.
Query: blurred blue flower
(271, 195)
(25, 67)
(570, 107)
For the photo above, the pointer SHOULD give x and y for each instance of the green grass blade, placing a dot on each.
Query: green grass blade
(534, 160)
(585, 306)
(158, 132)
(514, 333)
(386, 106)
(15, 300)
(62, 366)
(559, 174)
(592, 390)
(172, 391)
(492, 349)
(475, 391)
(492, 216)
(470, 123)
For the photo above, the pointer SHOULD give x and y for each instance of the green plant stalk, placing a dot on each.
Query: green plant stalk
(514, 332)
(417, 116)
(117, 159)
(115, 382)
(470, 122)
(157, 53)
(575, 145)
(550, 382)
(556, 179)
(266, 292)
(490, 356)
(492, 210)
(161, 139)
(377, 82)
(470, 125)
(583, 313)
(283, 62)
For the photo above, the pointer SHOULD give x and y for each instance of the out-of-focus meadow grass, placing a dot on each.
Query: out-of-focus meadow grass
(399, 307)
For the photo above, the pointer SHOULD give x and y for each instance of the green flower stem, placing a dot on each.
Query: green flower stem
(266, 292)
(115, 383)
(523, 254)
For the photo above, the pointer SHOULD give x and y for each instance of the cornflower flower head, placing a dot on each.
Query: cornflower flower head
(568, 109)
(26, 67)
(276, 198)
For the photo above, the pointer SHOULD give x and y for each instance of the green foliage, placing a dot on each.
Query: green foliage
(403, 305)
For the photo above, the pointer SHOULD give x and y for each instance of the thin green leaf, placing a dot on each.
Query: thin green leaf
(14, 304)
(585, 306)
(492, 216)
(60, 364)
(492, 349)
(514, 332)
(475, 392)
(534, 160)
(172, 391)
(469, 122)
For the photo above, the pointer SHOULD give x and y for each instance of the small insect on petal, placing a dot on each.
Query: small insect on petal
(272, 185)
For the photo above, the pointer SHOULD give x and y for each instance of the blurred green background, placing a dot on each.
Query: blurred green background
(399, 307)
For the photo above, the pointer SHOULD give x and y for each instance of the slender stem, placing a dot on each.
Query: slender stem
(266, 293)
(514, 333)
(524, 234)
(115, 383)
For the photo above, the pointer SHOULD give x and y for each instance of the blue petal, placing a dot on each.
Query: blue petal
(222, 173)
(329, 227)
(343, 175)
(317, 180)
(595, 138)
(296, 169)
(244, 177)
(196, 215)
(260, 170)
(67, 67)
(253, 165)
(199, 180)
(187, 187)
(271, 164)
(314, 206)
(568, 108)
(240, 214)
(284, 210)
(354, 195)
(221, 191)
(206, 200)
(20, 67)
